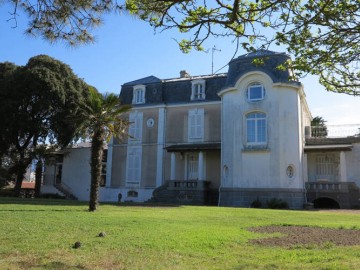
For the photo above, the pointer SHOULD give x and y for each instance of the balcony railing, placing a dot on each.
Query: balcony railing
(330, 186)
(335, 131)
(188, 184)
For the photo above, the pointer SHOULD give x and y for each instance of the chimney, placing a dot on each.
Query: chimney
(184, 74)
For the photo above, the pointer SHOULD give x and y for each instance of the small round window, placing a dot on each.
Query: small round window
(150, 122)
(290, 171)
(255, 92)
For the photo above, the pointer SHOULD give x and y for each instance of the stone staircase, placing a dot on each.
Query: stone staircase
(66, 191)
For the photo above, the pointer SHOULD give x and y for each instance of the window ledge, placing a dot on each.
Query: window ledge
(195, 140)
(197, 99)
(256, 148)
(254, 100)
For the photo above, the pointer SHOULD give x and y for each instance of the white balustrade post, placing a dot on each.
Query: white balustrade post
(172, 166)
(201, 166)
(343, 176)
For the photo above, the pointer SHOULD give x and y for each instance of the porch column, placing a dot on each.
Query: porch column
(305, 168)
(343, 177)
(160, 147)
(172, 166)
(109, 162)
(201, 166)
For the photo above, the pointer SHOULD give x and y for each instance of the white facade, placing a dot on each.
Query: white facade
(226, 139)
(263, 165)
(74, 176)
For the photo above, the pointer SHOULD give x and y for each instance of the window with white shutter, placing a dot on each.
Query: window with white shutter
(196, 125)
(135, 128)
(133, 168)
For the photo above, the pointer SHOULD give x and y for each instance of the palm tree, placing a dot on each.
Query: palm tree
(103, 121)
(318, 127)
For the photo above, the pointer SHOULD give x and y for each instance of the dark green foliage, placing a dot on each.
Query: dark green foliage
(7, 193)
(276, 203)
(65, 20)
(318, 127)
(4, 176)
(256, 203)
(39, 102)
(51, 196)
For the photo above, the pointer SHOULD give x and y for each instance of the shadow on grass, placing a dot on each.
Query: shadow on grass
(41, 201)
(63, 202)
(135, 204)
(43, 210)
(50, 265)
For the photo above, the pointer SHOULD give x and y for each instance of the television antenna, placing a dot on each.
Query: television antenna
(212, 58)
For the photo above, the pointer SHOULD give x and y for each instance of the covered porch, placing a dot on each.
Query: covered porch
(327, 165)
(193, 176)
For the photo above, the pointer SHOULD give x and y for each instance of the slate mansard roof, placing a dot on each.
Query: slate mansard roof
(178, 90)
(171, 91)
(272, 60)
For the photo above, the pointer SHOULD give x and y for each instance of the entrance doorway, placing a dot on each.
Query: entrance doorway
(192, 166)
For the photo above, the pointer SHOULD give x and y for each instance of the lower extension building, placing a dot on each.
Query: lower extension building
(224, 139)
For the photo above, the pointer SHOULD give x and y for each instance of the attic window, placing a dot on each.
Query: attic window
(139, 94)
(255, 92)
(198, 90)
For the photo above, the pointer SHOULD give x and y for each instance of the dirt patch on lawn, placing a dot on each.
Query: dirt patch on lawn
(295, 236)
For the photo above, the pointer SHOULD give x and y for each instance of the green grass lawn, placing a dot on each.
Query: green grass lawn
(39, 234)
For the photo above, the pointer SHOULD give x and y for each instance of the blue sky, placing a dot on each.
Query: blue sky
(127, 49)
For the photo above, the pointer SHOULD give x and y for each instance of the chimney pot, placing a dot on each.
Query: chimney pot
(184, 74)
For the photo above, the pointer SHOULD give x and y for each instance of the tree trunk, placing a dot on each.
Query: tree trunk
(20, 172)
(18, 183)
(97, 147)
(38, 177)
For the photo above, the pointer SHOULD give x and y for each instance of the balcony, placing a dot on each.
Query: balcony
(342, 194)
(188, 185)
(335, 131)
(329, 186)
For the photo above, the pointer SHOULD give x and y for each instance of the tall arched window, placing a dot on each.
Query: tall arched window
(256, 128)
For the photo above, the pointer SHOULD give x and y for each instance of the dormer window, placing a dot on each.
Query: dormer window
(139, 94)
(255, 92)
(198, 90)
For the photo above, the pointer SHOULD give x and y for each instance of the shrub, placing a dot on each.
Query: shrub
(256, 203)
(7, 193)
(275, 203)
(51, 196)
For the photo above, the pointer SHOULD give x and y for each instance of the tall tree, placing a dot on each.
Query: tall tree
(39, 102)
(103, 113)
(323, 35)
